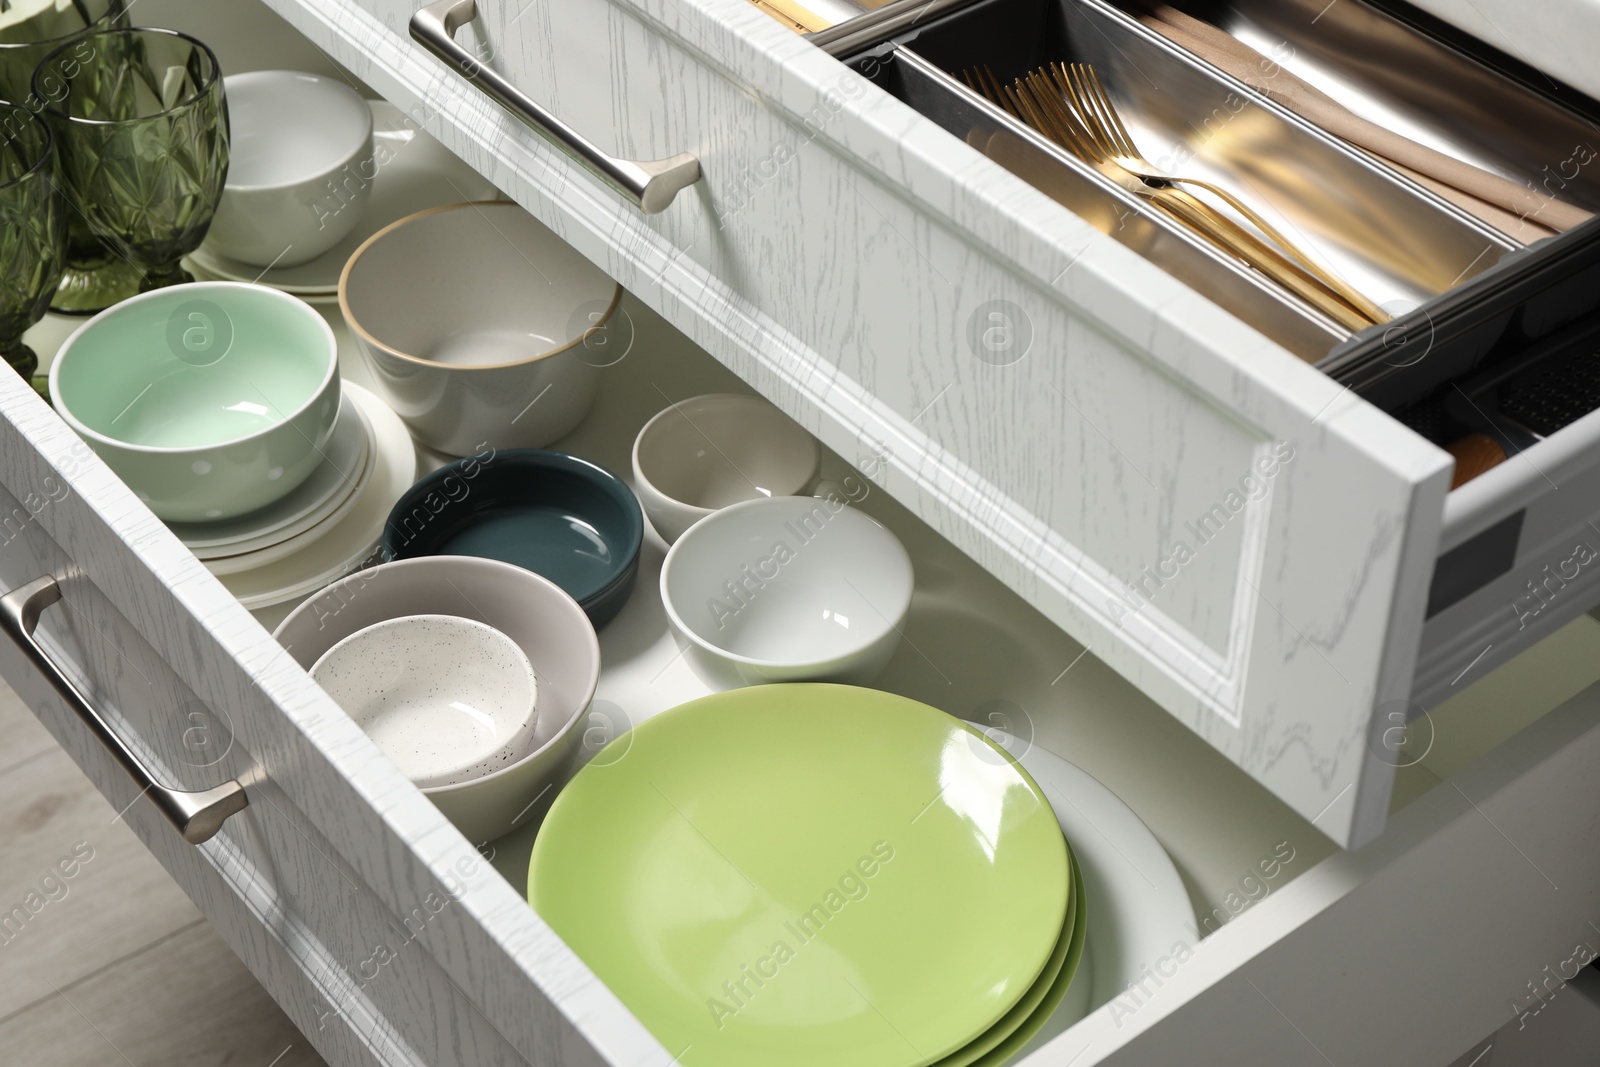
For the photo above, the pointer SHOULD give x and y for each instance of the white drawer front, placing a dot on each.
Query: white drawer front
(379, 929)
(836, 255)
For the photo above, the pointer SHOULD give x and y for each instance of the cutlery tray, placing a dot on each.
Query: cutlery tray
(1398, 244)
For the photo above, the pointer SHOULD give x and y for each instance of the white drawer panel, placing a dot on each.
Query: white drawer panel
(842, 288)
(336, 851)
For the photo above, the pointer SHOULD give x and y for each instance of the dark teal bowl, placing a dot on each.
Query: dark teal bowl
(554, 514)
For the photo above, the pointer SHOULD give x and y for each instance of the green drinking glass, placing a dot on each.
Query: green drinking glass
(142, 129)
(95, 277)
(32, 231)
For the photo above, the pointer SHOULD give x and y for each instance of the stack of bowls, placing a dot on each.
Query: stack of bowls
(803, 874)
(400, 645)
(221, 406)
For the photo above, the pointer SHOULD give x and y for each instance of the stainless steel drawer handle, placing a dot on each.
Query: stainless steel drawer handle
(197, 816)
(651, 185)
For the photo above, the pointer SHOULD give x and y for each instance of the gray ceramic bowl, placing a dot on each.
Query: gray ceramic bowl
(546, 623)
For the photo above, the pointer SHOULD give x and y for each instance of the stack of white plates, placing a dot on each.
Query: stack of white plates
(328, 526)
(411, 172)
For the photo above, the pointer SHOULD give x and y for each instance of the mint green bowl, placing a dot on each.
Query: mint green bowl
(209, 400)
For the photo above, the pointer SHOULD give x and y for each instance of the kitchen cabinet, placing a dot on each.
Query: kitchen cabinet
(834, 256)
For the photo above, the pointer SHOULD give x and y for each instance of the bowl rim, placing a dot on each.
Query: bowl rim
(889, 624)
(544, 459)
(512, 573)
(641, 477)
(352, 157)
(331, 372)
(389, 350)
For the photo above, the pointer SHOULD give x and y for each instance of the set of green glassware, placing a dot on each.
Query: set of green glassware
(113, 154)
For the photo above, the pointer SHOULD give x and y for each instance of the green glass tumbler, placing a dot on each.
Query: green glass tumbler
(142, 129)
(95, 277)
(32, 231)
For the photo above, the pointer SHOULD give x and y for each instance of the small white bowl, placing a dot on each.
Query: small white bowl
(447, 699)
(711, 451)
(300, 167)
(786, 590)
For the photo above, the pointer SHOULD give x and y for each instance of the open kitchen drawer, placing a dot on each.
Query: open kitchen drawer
(1231, 722)
(848, 258)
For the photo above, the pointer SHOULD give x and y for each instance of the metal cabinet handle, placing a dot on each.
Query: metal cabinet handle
(650, 185)
(197, 816)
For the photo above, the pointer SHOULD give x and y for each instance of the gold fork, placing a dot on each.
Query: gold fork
(1040, 102)
(1094, 102)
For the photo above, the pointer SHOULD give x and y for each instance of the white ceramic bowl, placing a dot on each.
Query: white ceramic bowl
(300, 168)
(546, 623)
(447, 699)
(711, 451)
(786, 590)
(472, 318)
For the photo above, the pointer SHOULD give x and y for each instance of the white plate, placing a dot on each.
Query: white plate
(281, 546)
(348, 459)
(414, 172)
(351, 541)
(1137, 907)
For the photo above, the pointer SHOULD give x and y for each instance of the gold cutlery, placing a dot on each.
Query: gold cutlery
(1071, 107)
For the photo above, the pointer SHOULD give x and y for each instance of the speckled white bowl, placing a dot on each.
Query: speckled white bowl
(447, 699)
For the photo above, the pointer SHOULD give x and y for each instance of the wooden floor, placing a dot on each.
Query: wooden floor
(112, 964)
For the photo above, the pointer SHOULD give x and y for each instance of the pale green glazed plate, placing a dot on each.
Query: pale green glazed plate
(1047, 990)
(795, 875)
(1012, 1043)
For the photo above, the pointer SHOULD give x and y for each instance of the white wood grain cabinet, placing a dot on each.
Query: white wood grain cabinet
(836, 256)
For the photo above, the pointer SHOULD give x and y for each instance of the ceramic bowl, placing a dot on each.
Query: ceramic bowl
(545, 623)
(447, 699)
(301, 169)
(788, 589)
(557, 515)
(209, 400)
(711, 451)
(472, 318)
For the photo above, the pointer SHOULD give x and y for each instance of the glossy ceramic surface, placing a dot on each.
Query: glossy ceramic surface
(446, 698)
(210, 400)
(1046, 1000)
(302, 168)
(557, 515)
(545, 623)
(708, 452)
(1034, 1000)
(414, 173)
(352, 541)
(1138, 908)
(479, 325)
(837, 851)
(348, 465)
(788, 589)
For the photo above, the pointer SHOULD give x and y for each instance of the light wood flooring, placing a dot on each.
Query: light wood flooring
(116, 966)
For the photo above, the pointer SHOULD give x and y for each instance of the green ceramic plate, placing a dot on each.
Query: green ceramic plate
(1025, 1009)
(791, 875)
(1048, 999)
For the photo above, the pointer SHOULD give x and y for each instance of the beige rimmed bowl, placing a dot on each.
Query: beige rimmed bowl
(480, 325)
